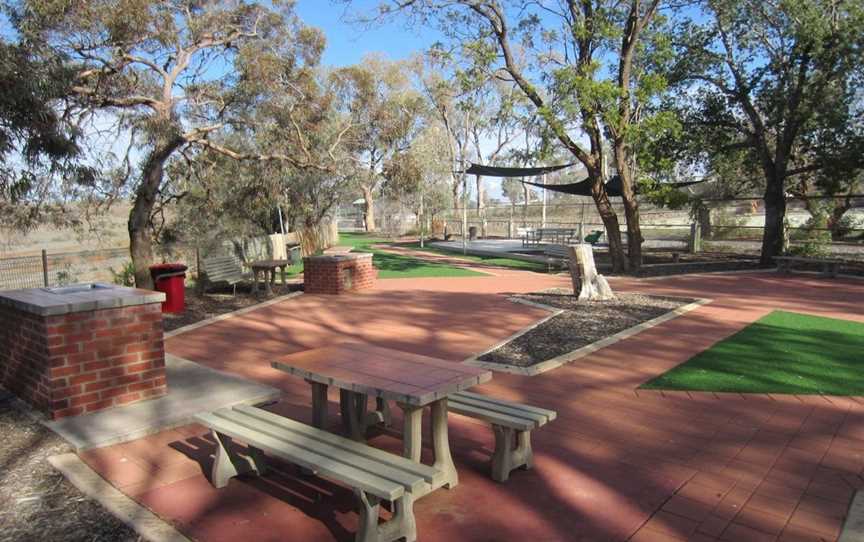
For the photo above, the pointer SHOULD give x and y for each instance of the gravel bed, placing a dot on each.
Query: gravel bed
(581, 323)
(203, 306)
(36, 502)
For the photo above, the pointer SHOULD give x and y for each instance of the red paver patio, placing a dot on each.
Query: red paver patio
(617, 464)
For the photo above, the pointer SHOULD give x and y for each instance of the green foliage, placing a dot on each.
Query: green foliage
(65, 276)
(125, 276)
(811, 248)
(662, 194)
(770, 92)
(38, 146)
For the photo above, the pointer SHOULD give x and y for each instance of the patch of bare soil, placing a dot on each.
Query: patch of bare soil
(581, 323)
(36, 502)
(207, 305)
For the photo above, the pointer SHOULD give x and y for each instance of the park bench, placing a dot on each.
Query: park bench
(226, 269)
(830, 267)
(373, 474)
(594, 237)
(512, 424)
(529, 236)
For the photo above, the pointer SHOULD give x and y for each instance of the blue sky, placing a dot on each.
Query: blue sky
(347, 42)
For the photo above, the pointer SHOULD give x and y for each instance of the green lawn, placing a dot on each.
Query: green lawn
(391, 266)
(485, 260)
(783, 352)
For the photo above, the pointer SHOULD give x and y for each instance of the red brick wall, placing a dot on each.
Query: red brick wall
(83, 362)
(327, 275)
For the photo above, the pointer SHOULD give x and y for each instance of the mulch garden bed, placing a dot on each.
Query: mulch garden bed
(36, 501)
(581, 323)
(207, 305)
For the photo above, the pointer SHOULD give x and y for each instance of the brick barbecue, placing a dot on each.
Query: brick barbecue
(83, 348)
(338, 273)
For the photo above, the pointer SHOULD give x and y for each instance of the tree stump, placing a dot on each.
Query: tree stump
(587, 284)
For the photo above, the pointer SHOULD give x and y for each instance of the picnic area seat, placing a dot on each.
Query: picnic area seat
(512, 424)
(530, 236)
(226, 269)
(373, 474)
(594, 237)
(830, 267)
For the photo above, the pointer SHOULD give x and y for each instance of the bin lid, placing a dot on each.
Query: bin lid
(168, 267)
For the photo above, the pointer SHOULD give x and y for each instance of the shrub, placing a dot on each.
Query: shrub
(126, 275)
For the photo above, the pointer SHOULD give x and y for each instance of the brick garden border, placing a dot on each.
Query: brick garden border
(558, 361)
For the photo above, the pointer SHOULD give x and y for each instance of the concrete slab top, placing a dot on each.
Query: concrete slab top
(340, 256)
(383, 372)
(192, 388)
(77, 298)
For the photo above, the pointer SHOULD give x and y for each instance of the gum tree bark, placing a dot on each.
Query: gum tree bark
(140, 240)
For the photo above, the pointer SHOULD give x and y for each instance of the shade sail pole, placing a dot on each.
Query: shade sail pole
(543, 209)
(464, 217)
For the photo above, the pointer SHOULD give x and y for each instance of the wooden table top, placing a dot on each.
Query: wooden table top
(269, 263)
(382, 372)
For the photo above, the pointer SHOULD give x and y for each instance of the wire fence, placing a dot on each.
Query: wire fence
(24, 272)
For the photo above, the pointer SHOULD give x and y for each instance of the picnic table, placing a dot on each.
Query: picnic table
(411, 380)
(263, 267)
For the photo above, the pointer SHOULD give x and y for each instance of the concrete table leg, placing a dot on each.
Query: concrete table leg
(282, 271)
(255, 273)
(412, 435)
(267, 283)
(384, 408)
(351, 404)
(319, 404)
(441, 444)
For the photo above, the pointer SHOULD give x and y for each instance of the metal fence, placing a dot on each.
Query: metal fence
(24, 272)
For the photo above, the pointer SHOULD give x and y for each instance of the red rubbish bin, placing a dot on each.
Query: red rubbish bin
(169, 278)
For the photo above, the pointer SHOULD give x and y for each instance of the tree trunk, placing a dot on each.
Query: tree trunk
(368, 208)
(526, 195)
(775, 213)
(610, 222)
(631, 213)
(835, 218)
(587, 284)
(140, 240)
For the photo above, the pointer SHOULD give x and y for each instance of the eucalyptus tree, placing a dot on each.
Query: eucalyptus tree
(774, 83)
(37, 144)
(179, 74)
(497, 109)
(386, 113)
(419, 178)
(583, 72)
(449, 99)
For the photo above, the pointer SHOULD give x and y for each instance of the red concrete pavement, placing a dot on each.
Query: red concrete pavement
(617, 464)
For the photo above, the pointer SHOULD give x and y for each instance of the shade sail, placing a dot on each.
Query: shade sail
(494, 171)
(613, 186)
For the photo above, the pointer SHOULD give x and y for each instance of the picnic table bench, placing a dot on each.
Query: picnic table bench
(511, 423)
(373, 474)
(225, 268)
(548, 235)
(830, 267)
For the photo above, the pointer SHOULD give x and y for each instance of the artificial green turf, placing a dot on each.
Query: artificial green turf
(784, 352)
(486, 260)
(392, 266)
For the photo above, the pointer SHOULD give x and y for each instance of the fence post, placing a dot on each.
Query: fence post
(695, 244)
(45, 267)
